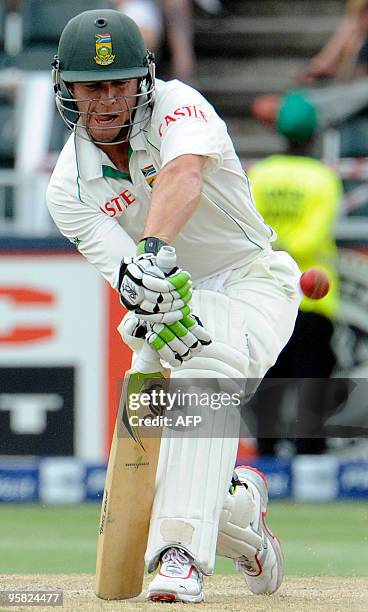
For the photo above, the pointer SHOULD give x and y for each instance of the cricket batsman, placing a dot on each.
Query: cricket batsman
(150, 163)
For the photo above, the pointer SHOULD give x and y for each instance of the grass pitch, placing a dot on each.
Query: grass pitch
(318, 539)
(325, 546)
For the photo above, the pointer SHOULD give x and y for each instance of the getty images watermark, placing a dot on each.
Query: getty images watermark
(272, 408)
(158, 400)
(186, 406)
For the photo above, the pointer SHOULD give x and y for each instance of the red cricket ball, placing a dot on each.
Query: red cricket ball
(314, 283)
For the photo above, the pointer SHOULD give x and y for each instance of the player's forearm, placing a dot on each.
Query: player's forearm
(175, 196)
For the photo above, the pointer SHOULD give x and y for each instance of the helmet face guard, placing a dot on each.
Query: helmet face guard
(103, 45)
(76, 119)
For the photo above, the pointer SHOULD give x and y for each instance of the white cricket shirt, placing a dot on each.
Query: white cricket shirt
(103, 211)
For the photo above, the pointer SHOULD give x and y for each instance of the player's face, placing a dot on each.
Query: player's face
(106, 106)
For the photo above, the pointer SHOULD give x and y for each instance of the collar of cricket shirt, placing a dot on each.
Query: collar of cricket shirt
(88, 158)
(110, 171)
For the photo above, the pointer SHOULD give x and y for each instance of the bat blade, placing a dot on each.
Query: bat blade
(129, 493)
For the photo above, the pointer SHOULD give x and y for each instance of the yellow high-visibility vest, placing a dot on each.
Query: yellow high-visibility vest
(300, 198)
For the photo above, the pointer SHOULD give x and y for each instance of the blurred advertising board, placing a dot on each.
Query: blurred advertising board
(19, 480)
(278, 472)
(60, 355)
(68, 480)
(353, 479)
(61, 362)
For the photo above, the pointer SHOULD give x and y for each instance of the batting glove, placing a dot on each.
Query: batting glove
(179, 341)
(175, 343)
(153, 295)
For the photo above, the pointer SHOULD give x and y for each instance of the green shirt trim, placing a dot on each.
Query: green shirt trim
(114, 173)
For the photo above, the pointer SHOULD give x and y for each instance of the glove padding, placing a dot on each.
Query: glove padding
(175, 343)
(152, 294)
(179, 341)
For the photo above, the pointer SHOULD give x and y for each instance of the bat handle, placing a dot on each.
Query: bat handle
(148, 360)
(166, 258)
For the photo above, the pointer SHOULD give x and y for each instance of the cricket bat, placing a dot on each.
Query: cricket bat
(130, 479)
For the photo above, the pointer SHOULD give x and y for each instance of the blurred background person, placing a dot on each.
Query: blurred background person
(212, 7)
(340, 56)
(334, 83)
(300, 198)
(178, 16)
(148, 15)
(170, 22)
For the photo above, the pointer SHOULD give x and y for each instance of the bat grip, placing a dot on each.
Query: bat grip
(148, 360)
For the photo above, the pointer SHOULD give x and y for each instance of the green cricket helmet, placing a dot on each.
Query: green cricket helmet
(103, 45)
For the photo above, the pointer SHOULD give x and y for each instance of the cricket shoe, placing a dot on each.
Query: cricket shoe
(177, 580)
(264, 571)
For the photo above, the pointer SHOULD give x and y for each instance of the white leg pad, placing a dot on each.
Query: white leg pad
(194, 473)
(192, 482)
(236, 534)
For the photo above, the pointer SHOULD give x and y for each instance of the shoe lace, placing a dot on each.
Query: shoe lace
(175, 558)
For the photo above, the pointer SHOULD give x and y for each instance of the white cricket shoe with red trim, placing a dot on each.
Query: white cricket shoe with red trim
(264, 571)
(177, 580)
